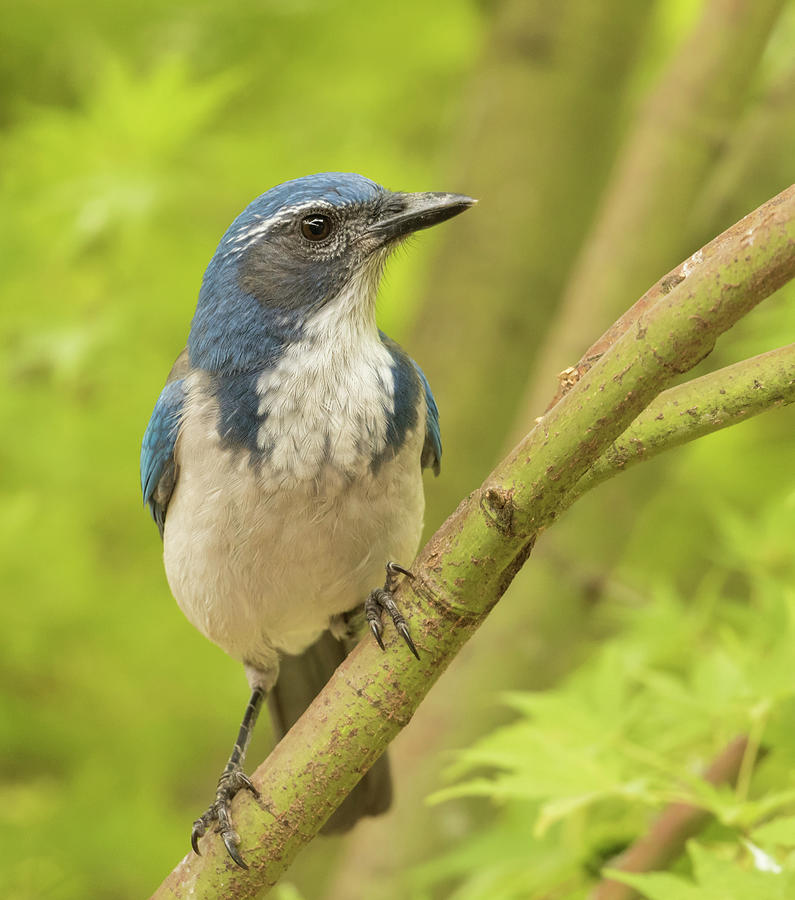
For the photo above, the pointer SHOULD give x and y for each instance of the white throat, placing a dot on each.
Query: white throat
(325, 404)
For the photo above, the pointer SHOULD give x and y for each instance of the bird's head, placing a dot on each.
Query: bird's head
(304, 245)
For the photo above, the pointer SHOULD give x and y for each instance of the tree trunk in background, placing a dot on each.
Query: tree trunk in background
(513, 256)
(757, 162)
(553, 76)
(641, 231)
(545, 109)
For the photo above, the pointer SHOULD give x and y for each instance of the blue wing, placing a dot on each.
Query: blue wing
(432, 449)
(158, 468)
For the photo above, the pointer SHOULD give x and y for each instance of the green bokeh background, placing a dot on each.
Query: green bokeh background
(130, 136)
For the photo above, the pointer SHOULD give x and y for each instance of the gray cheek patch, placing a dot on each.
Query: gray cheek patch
(280, 279)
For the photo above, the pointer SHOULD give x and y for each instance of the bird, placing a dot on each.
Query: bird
(283, 462)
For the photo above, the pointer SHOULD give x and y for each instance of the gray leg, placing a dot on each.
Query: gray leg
(232, 780)
(382, 599)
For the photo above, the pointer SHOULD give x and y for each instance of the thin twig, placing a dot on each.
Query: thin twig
(696, 408)
(666, 838)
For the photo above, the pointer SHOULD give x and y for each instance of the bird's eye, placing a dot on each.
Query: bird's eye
(316, 228)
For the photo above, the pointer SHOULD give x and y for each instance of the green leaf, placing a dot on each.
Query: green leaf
(660, 886)
(778, 832)
(716, 877)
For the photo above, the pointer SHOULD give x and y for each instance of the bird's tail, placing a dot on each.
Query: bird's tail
(301, 678)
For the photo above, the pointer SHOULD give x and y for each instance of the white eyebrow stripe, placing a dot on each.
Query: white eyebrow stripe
(250, 233)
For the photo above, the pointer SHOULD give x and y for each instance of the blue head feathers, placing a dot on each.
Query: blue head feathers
(288, 253)
(266, 277)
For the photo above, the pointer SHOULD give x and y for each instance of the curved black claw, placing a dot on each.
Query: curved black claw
(198, 830)
(376, 628)
(231, 841)
(403, 628)
(382, 599)
(392, 568)
(229, 784)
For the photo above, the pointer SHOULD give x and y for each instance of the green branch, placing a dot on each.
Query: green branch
(696, 408)
(468, 564)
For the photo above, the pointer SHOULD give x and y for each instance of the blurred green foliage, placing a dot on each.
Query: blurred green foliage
(577, 775)
(131, 135)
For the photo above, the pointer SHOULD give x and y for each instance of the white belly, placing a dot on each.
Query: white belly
(259, 562)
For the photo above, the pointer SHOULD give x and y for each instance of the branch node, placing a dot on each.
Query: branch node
(671, 281)
(498, 508)
(569, 376)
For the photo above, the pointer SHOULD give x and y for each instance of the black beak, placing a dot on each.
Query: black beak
(407, 213)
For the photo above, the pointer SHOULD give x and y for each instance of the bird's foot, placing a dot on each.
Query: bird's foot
(232, 781)
(382, 599)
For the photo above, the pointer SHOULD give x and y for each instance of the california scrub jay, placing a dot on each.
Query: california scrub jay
(282, 463)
